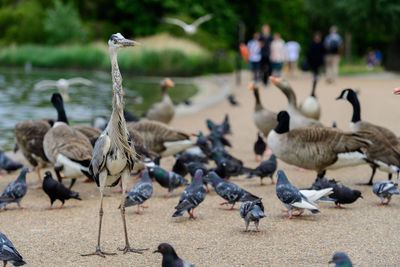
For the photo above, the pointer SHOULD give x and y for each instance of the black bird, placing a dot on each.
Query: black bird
(341, 194)
(8, 164)
(193, 195)
(259, 147)
(9, 253)
(170, 180)
(232, 100)
(141, 192)
(15, 191)
(185, 157)
(340, 259)
(266, 168)
(231, 192)
(170, 258)
(252, 211)
(56, 190)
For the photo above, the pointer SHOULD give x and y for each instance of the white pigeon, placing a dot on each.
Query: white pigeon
(62, 85)
(189, 28)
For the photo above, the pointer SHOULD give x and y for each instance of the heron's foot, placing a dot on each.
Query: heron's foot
(127, 248)
(100, 253)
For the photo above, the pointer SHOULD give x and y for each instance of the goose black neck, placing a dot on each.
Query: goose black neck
(356, 107)
(257, 97)
(283, 123)
(59, 105)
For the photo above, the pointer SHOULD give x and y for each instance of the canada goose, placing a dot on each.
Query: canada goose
(160, 138)
(384, 154)
(66, 148)
(90, 132)
(163, 111)
(297, 118)
(264, 119)
(29, 136)
(310, 106)
(315, 148)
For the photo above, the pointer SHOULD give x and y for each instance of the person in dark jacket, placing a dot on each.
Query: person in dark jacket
(265, 40)
(315, 55)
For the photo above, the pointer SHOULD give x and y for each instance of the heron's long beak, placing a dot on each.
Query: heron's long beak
(396, 91)
(127, 42)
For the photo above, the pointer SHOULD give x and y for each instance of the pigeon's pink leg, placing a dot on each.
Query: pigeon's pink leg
(224, 203)
(231, 208)
(338, 206)
(138, 211)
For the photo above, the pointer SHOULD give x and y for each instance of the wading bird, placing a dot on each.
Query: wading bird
(114, 153)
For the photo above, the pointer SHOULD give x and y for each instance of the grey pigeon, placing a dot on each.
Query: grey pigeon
(340, 259)
(231, 192)
(141, 192)
(252, 211)
(291, 197)
(9, 253)
(341, 194)
(266, 168)
(193, 166)
(56, 190)
(170, 258)
(192, 196)
(8, 164)
(385, 189)
(15, 191)
(170, 180)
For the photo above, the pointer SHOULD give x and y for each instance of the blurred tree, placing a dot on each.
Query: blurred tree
(62, 24)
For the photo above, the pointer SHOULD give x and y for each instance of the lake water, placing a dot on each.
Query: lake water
(19, 101)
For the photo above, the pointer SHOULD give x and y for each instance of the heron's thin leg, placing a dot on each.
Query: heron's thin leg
(98, 252)
(125, 176)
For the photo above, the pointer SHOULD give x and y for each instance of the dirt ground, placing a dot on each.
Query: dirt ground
(367, 233)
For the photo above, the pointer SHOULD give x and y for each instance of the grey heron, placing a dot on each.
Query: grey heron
(62, 85)
(189, 28)
(114, 154)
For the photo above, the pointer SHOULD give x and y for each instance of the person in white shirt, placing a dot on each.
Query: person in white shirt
(254, 48)
(278, 54)
(292, 51)
(333, 46)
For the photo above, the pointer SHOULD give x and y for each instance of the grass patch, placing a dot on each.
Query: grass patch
(357, 66)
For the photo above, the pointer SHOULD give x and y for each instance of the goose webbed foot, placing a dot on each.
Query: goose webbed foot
(100, 253)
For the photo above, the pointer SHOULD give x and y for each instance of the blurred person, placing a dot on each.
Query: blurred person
(254, 48)
(371, 61)
(278, 54)
(378, 57)
(315, 55)
(292, 52)
(333, 46)
(265, 40)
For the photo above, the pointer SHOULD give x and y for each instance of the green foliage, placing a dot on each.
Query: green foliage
(145, 62)
(62, 24)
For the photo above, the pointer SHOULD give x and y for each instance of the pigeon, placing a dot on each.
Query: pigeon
(385, 189)
(9, 253)
(266, 168)
(341, 194)
(170, 258)
(8, 164)
(170, 180)
(189, 155)
(192, 167)
(340, 259)
(252, 211)
(141, 192)
(231, 192)
(191, 197)
(232, 100)
(259, 147)
(291, 197)
(56, 190)
(15, 191)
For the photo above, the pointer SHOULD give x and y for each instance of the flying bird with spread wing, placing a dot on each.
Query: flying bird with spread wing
(189, 28)
(62, 85)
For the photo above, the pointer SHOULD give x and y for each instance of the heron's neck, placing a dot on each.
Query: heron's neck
(117, 83)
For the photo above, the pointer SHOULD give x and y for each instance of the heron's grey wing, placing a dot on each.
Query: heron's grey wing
(45, 84)
(100, 152)
(202, 19)
(178, 22)
(79, 80)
